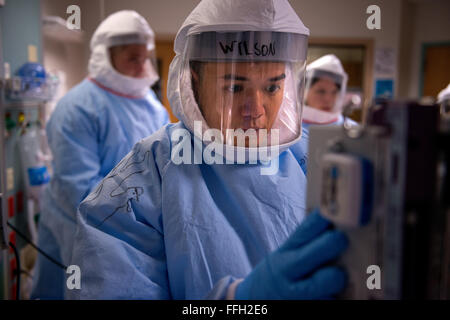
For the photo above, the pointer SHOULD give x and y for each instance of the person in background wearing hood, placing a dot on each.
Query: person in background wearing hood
(92, 128)
(326, 83)
(212, 226)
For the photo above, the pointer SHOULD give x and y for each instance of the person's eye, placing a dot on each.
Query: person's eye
(137, 60)
(273, 88)
(321, 92)
(234, 88)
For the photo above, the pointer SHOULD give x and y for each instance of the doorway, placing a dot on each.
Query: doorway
(164, 56)
(435, 68)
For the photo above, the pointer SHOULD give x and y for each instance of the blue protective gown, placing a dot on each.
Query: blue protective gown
(89, 132)
(156, 230)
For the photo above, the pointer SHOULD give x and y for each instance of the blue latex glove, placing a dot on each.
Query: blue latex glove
(296, 270)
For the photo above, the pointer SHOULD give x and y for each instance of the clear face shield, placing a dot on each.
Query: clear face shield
(141, 53)
(246, 85)
(325, 90)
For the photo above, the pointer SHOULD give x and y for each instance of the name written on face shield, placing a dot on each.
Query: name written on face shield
(244, 48)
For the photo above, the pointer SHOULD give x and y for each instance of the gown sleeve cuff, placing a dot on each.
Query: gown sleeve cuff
(232, 289)
(221, 290)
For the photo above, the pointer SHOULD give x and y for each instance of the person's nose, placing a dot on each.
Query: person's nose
(139, 69)
(254, 105)
(329, 99)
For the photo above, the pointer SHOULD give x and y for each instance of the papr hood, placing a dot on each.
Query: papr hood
(226, 15)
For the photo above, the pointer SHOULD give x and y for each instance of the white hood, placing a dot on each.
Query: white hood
(329, 63)
(225, 15)
(123, 27)
(316, 116)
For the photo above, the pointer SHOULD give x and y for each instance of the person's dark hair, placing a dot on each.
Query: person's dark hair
(196, 67)
(315, 79)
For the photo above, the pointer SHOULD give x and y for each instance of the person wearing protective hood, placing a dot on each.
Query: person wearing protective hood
(326, 83)
(181, 217)
(92, 128)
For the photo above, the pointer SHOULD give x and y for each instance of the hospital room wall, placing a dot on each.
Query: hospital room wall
(405, 26)
(70, 56)
(423, 22)
(17, 37)
(167, 16)
(344, 19)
